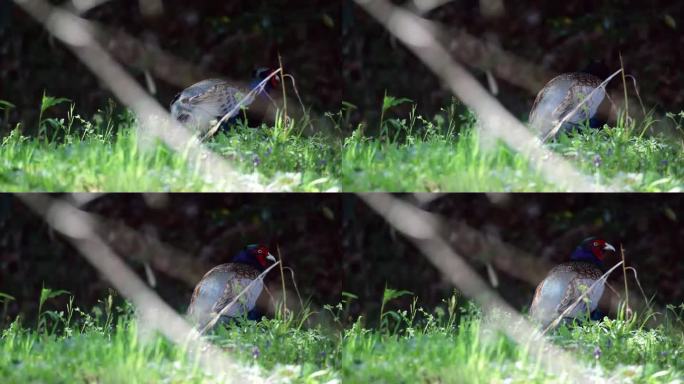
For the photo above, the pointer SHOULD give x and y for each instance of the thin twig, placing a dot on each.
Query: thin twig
(299, 98)
(643, 293)
(282, 85)
(580, 298)
(282, 279)
(602, 86)
(624, 88)
(216, 317)
(294, 282)
(239, 105)
(614, 290)
(79, 228)
(624, 275)
(636, 90)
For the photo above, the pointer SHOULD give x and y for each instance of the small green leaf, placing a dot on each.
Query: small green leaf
(391, 101)
(391, 294)
(47, 294)
(349, 295)
(48, 102)
(6, 105)
(348, 106)
(670, 21)
(328, 21)
(5, 297)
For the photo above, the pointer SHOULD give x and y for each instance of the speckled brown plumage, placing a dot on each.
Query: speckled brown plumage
(560, 96)
(574, 278)
(231, 279)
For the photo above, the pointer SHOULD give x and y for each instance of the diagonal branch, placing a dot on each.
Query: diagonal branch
(421, 228)
(78, 227)
(149, 249)
(78, 35)
(419, 35)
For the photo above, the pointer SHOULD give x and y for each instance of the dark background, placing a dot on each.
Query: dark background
(228, 38)
(545, 226)
(211, 228)
(559, 36)
(335, 243)
(338, 52)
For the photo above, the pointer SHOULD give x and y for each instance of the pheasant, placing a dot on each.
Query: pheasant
(201, 103)
(562, 95)
(224, 282)
(566, 282)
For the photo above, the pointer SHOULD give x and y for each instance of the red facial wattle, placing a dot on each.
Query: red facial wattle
(597, 249)
(261, 259)
(274, 81)
(260, 254)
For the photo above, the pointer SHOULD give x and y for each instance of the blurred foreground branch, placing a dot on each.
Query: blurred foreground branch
(419, 35)
(508, 66)
(149, 249)
(422, 229)
(78, 227)
(155, 122)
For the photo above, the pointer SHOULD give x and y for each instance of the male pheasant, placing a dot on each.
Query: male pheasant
(562, 95)
(209, 100)
(224, 282)
(566, 282)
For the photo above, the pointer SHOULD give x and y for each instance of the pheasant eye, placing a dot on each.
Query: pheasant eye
(596, 244)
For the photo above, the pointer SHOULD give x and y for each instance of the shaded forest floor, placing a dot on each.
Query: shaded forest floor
(446, 153)
(452, 344)
(105, 154)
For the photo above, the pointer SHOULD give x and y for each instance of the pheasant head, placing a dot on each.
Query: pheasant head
(255, 255)
(593, 250)
(260, 74)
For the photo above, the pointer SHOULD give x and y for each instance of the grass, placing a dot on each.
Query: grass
(450, 344)
(447, 153)
(453, 344)
(105, 154)
(108, 345)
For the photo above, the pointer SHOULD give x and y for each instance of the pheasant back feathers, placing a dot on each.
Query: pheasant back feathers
(219, 287)
(580, 279)
(560, 97)
(207, 101)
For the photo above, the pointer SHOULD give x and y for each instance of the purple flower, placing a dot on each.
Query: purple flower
(255, 352)
(597, 160)
(256, 160)
(597, 353)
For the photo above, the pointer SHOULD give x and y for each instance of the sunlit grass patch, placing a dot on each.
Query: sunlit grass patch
(452, 343)
(108, 344)
(106, 154)
(455, 344)
(447, 153)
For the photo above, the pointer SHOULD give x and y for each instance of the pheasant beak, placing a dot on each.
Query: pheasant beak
(608, 247)
(271, 258)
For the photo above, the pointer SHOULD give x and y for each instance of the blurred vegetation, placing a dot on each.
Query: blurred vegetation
(303, 227)
(336, 244)
(547, 226)
(448, 153)
(229, 38)
(560, 36)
